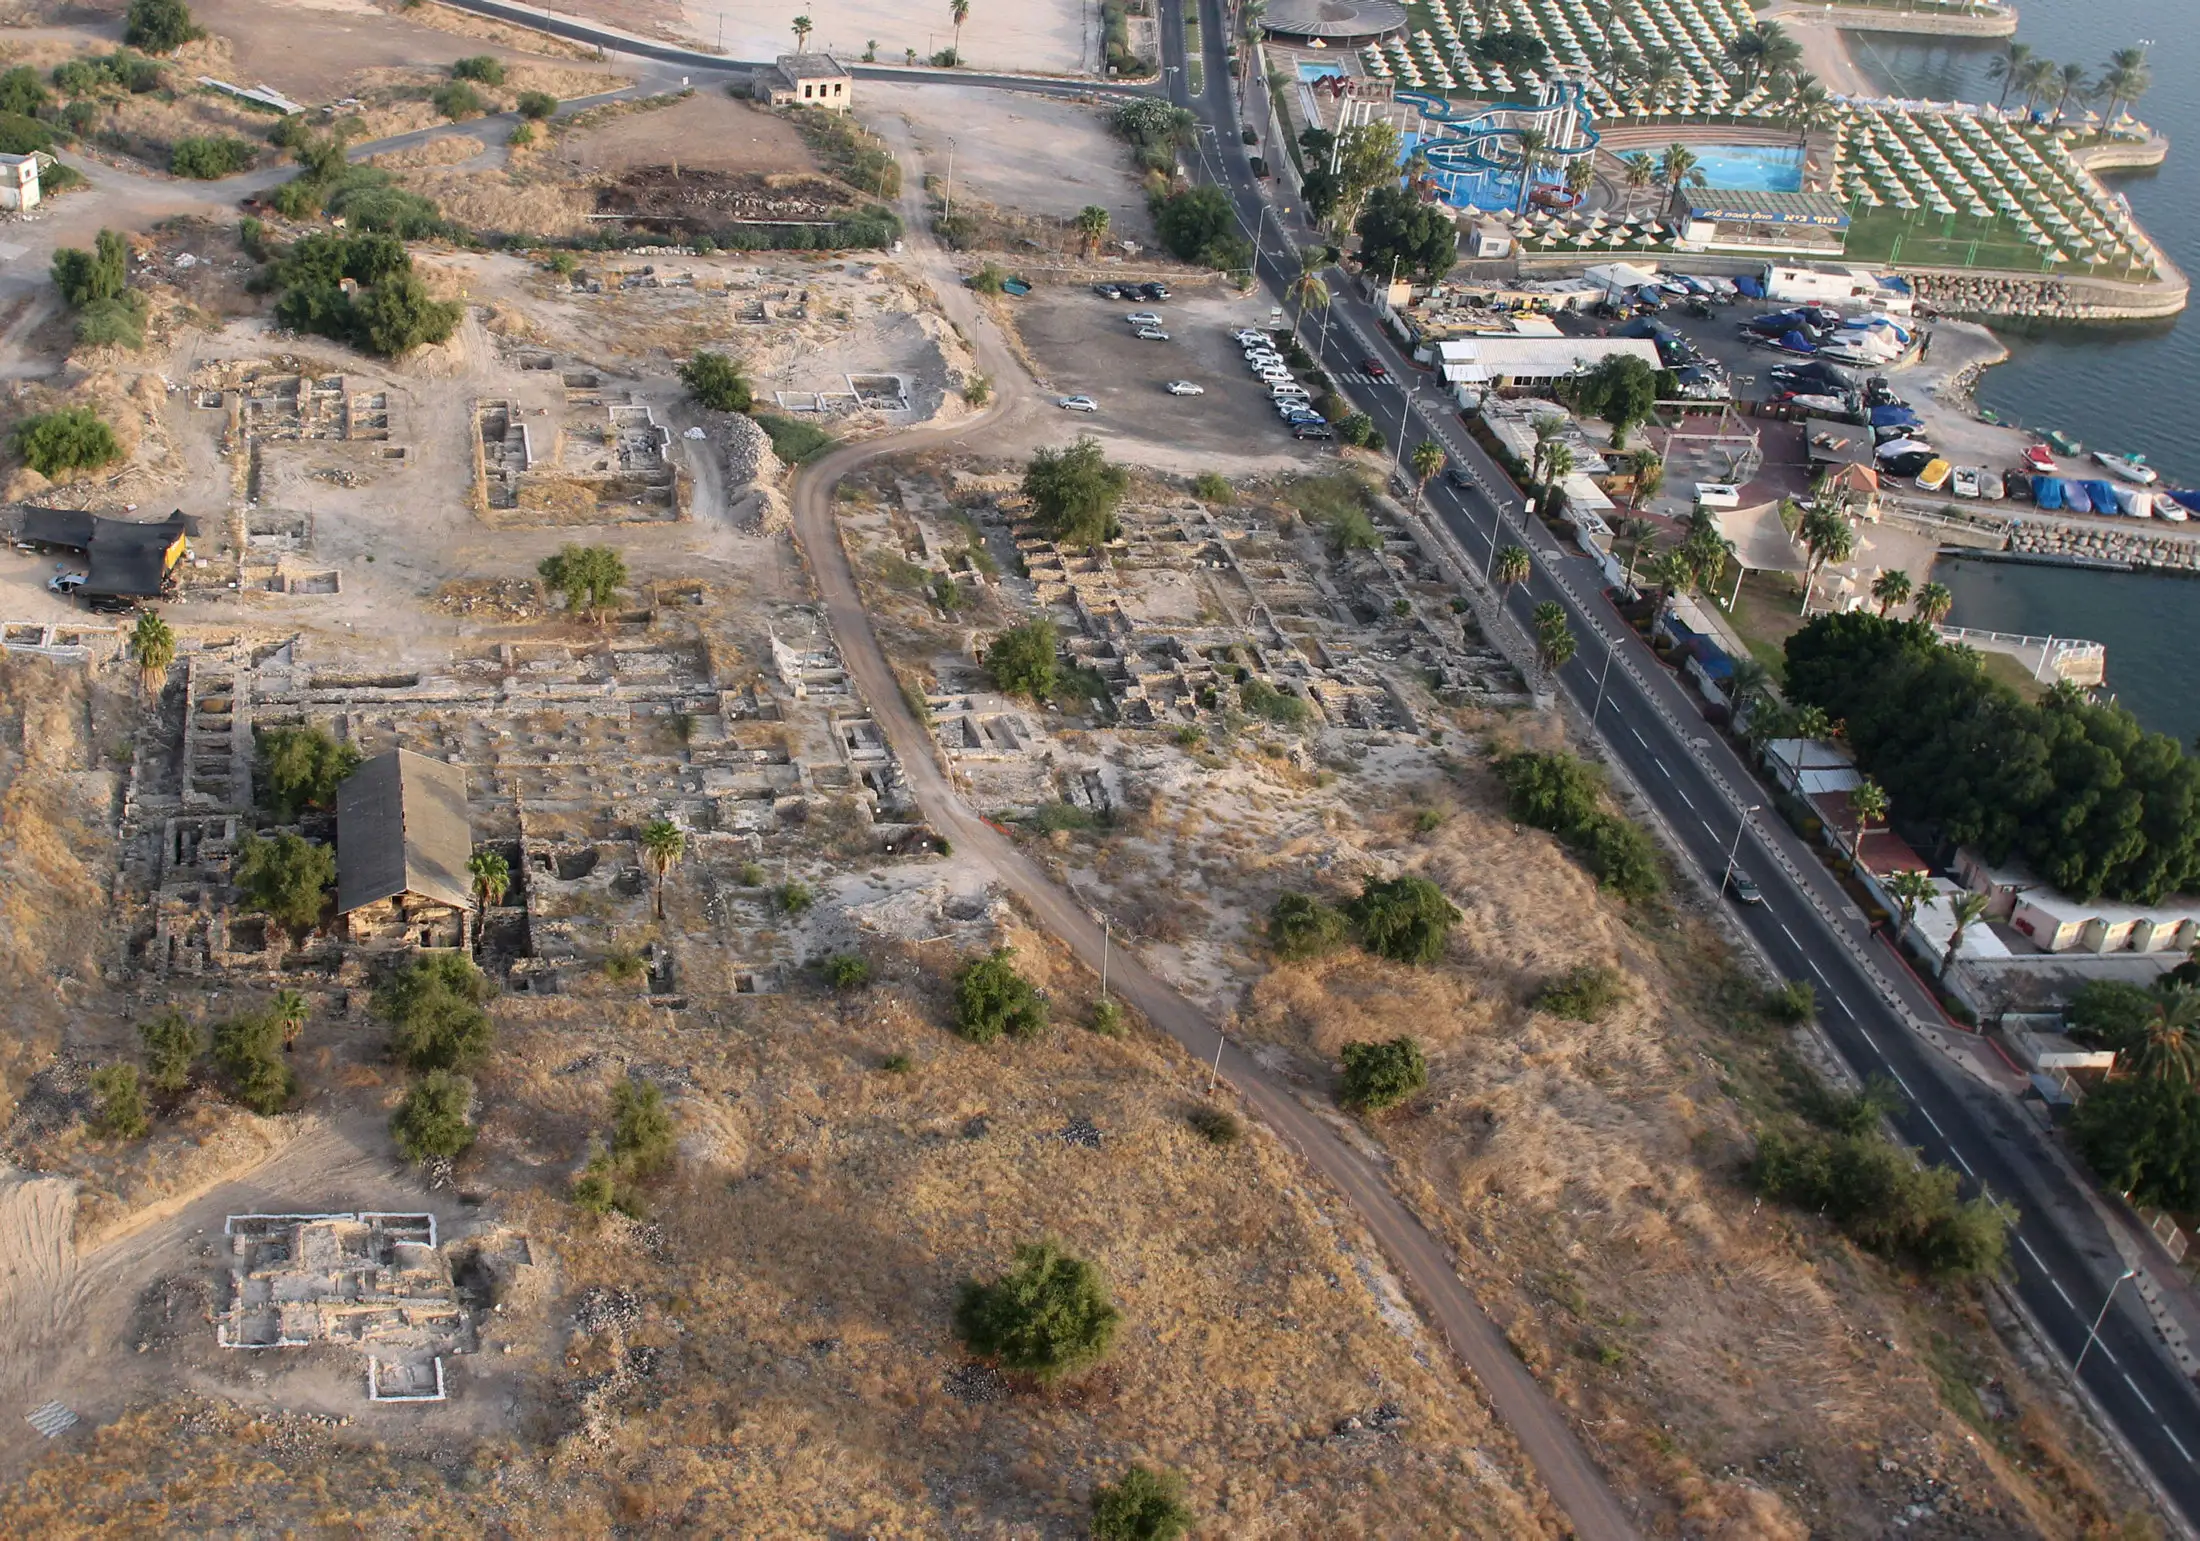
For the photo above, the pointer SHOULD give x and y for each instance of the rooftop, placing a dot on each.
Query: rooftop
(811, 67)
(401, 829)
(1745, 207)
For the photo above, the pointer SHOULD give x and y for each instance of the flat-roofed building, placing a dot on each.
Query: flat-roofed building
(806, 80)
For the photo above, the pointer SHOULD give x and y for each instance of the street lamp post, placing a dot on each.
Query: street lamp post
(2094, 1331)
(1611, 648)
(1735, 849)
(949, 210)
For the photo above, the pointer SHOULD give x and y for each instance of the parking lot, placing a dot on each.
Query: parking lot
(1084, 347)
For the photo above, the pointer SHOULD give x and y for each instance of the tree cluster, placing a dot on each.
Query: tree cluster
(248, 1050)
(1407, 920)
(96, 284)
(209, 157)
(1621, 389)
(641, 1147)
(1022, 660)
(717, 382)
(991, 998)
(1397, 228)
(1197, 224)
(434, 1008)
(2079, 792)
(159, 26)
(434, 1122)
(588, 577)
(2140, 1129)
(286, 878)
(389, 312)
(1381, 1075)
(1881, 1196)
(1564, 795)
(67, 439)
(1075, 493)
(301, 768)
(1366, 158)
(1586, 993)
(1154, 130)
(1048, 1317)
(1143, 1506)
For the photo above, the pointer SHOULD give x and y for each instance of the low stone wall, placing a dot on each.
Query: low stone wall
(1968, 292)
(2141, 545)
(1859, 18)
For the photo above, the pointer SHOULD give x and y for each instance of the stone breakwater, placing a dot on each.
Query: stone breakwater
(2044, 299)
(2146, 545)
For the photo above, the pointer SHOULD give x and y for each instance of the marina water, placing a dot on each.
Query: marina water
(2128, 388)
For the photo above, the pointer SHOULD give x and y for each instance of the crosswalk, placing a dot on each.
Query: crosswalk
(52, 1420)
(1355, 377)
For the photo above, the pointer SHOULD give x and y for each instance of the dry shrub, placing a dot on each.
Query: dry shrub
(465, 24)
(500, 201)
(446, 151)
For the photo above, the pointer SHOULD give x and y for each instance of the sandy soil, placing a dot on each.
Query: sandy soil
(1032, 154)
(1050, 37)
(709, 131)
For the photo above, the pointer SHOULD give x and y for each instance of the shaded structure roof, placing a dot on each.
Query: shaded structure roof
(126, 559)
(1747, 206)
(401, 829)
(1832, 443)
(799, 67)
(1334, 20)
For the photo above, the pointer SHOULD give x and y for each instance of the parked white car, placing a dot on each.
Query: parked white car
(1248, 335)
(1283, 388)
(1185, 388)
(1143, 318)
(1078, 404)
(1152, 334)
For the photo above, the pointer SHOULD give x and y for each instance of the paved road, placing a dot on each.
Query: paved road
(1879, 1018)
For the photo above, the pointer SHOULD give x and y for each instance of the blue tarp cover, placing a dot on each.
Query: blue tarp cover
(2187, 498)
(2075, 498)
(1796, 342)
(1895, 417)
(2103, 496)
(1754, 288)
(2047, 491)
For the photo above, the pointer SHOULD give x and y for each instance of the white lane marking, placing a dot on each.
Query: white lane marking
(2141, 1395)
(1906, 1090)
(1868, 1038)
(1660, 764)
(1707, 829)
(1684, 796)
(1821, 973)
(2062, 1292)
(1639, 738)
(2034, 1256)
(2112, 1359)
(2180, 1444)
(1935, 1123)
(1844, 1005)
(1967, 1171)
(1791, 936)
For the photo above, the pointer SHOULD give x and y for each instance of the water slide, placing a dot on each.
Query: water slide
(1469, 143)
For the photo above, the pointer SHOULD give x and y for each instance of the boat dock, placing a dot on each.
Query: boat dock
(2050, 660)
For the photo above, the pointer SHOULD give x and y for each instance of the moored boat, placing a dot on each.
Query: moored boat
(2039, 458)
(2062, 444)
(2132, 468)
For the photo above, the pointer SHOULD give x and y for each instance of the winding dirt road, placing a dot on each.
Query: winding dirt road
(1549, 1441)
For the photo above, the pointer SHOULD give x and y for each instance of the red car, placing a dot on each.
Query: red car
(1375, 369)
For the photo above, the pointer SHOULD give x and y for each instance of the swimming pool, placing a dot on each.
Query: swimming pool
(1309, 71)
(1753, 168)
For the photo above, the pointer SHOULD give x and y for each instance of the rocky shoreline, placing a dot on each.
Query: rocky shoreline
(2104, 545)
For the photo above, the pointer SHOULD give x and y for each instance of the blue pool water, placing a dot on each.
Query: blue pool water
(1754, 168)
(1318, 71)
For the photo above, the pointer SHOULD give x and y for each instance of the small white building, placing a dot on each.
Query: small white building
(1516, 363)
(807, 80)
(2055, 922)
(18, 181)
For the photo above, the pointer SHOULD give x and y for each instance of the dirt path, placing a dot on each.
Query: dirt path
(1546, 1437)
(41, 1290)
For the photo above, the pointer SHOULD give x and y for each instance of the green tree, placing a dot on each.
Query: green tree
(1554, 640)
(1022, 660)
(1531, 153)
(1934, 601)
(172, 1045)
(663, 844)
(1141, 1506)
(991, 998)
(1869, 801)
(120, 1114)
(1075, 493)
(2142, 1135)
(486, 68)
(1405, 919)
(1761, 51)
(1308, 291)
(1910, 888)
(159, 26)
(1302, 927)
(433, 1006)
(1891, 588)
(1197, 224)
(2169, 1043)
(1884, 1199)
(1676, 166)
(248, 1050)
(1512, 567)
(2110, 1013)
(1827, 536)
(397, 315)
(1397, 228)
(153, 645)
(1622, 390)
(1427, 460)
(492, 876)
(290, 1011)
(537, 105)
(1586, 993)
(2008, 67)
(301, 768)
(717, 382)
(286, 879)
(1091, 225)
(589, 577)
(1048, 1317)
(208, 158)
(1381, 1075)
(847, 971)
(641, 1128)
(958, 11)
(67, 439)
(1965, 909)
(803, 27)
(435, 1121)
(22, 92)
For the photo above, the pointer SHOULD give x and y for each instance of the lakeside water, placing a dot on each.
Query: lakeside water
(2131, 387)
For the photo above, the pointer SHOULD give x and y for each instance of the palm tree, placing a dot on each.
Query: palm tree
(1092, 226)
(153, 645)
(1671, 571)
(2006, 67)
(2124, 81)
(960, 11)
(1963, 909)
(1636, 532)
(1933, 603)
(1549, 429)
(1529, 146)
(2034, 77)
(1558, 464)
(1308, 289)
(1649, 475)
(1748, 686)
(1512, 566)
(1676, 165)
(492, 877)
(1765, 49)
(1428, 459)
(289, 1008)
(803, 27)
(1660, 69)
(1554, 642)
(1581, 174)
(1891, 588)
(1828, 536)
(1909, 888)
(2069, 82)
(1642, 172)
(662, 846)
(2170, 1050)
(1870, 802)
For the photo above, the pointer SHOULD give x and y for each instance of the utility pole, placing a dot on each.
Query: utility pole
(1214, 1074)
(950, 208)
(1611, 648)
(1735, 849)
(1107, 937)
(2095, 1331)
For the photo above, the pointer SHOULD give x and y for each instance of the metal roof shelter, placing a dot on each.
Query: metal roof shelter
(401, 829)
(125, 559)
(1334, 21)
(1732, 206)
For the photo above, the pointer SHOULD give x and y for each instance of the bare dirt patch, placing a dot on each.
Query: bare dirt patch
(1036, 155)
(446, 151)
(679, 200)
(708, 131)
